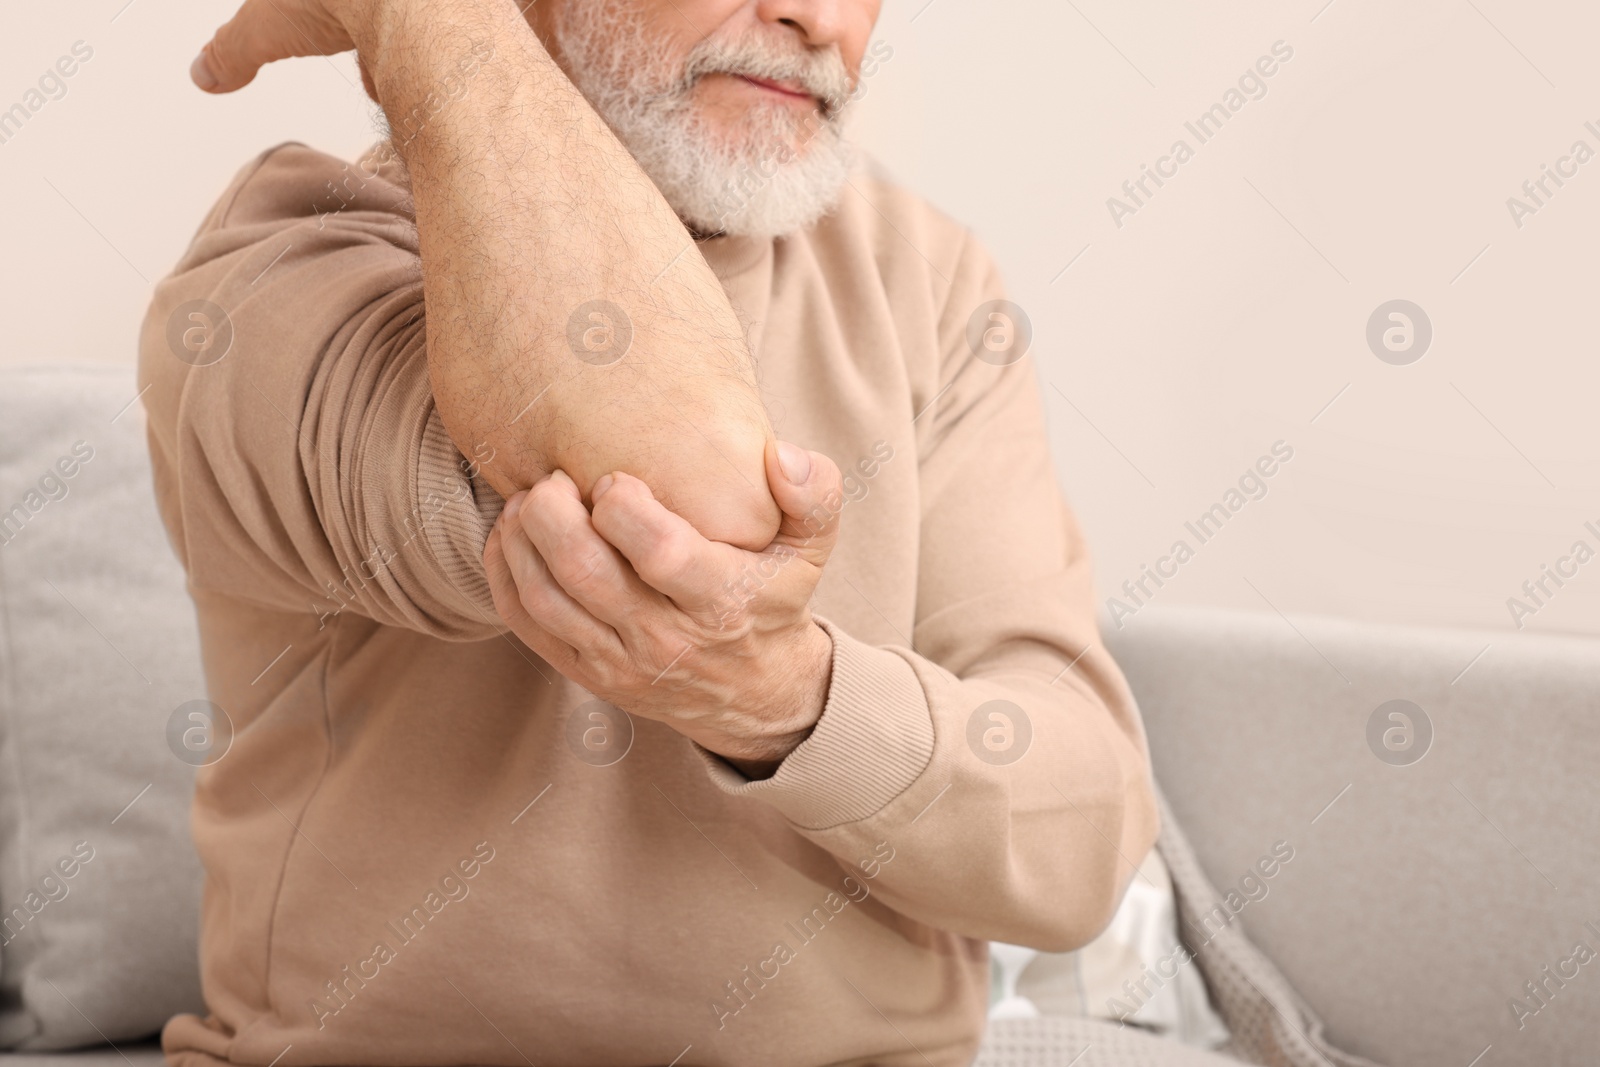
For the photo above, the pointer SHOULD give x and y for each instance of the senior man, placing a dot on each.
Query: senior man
(567, 717)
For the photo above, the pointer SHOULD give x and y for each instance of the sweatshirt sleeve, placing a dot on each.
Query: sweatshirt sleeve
(298, 455)
(993, 779)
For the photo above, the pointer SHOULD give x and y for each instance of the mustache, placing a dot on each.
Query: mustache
(820, 73)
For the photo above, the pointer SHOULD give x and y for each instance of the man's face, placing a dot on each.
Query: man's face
(732, 107)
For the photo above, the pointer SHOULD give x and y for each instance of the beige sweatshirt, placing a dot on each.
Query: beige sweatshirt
(425, 846)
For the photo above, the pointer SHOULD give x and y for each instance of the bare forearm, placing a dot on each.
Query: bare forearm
(528, 208)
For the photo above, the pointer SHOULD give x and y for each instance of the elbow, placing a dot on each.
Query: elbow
(744, 516)
(1098, 879)
(717, 481)
(1072, 928)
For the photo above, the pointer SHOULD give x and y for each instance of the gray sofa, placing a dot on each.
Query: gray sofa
(1423, 895)
(1445, 860)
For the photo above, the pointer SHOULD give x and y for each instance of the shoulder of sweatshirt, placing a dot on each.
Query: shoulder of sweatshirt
(294, 184)
(295, 181)
(289, 196)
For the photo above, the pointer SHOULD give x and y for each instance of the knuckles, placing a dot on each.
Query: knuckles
(668, 556)
(544, 496)
(582, 568)
(537, 599)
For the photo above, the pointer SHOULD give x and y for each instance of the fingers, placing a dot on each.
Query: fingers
(262, 32)
(809, 489)
(666, 552)
(508, 605)
(589, 571)
(534, 592)
(502, 586)
(700, 575)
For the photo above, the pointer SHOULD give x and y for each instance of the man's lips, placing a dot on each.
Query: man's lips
(786, 88)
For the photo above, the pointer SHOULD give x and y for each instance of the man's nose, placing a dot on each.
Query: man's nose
(819, 22)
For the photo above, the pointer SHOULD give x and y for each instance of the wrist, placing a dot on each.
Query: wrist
(420, 53)
(787, 724)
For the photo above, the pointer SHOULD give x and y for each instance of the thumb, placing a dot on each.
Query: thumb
(262, 32)
(809, 491)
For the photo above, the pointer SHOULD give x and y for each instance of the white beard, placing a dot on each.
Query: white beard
(773, 175)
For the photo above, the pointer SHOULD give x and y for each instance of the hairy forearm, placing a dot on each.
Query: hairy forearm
(528, 208)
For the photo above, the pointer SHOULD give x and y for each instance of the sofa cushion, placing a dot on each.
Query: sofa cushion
(1437, 862)
(99, 885)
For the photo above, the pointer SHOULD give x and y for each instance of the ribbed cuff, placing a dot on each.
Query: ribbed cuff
(874, 739)
(456, 533)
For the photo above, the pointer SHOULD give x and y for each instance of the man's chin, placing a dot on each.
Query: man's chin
(762, 194)
(761, 216)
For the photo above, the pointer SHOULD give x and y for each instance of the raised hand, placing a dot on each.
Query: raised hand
(265, 31)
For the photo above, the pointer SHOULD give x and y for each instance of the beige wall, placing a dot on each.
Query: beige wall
(104, 187)
(1227, 313)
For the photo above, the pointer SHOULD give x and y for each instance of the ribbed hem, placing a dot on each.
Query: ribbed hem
(875, 737)
(456, 533)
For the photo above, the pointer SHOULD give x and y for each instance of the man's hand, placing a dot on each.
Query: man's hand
(265, 31)
(638, 608)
